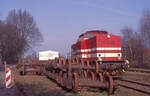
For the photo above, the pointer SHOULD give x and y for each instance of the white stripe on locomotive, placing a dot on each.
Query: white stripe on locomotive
(97, 49)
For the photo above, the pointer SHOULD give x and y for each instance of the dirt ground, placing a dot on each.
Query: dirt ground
(3, 90)
(138, 76)
(121, 91)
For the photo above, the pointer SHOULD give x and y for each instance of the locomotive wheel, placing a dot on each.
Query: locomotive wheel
(110, 84)
(75, 82)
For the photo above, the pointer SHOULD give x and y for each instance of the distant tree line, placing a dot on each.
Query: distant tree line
(136, 44)
(18, 33)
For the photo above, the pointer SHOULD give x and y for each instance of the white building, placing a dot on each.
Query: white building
(48, 54)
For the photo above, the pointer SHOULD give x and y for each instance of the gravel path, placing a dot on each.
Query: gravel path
(3, 90)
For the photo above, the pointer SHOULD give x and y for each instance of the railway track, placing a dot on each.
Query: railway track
(135, 85)
(138, 70)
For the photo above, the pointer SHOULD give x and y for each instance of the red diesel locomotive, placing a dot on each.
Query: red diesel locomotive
(100, 46)
(97, 45)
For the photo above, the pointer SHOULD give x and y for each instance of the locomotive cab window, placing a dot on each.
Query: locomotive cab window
(87, 36)
(102, 33)
(80, 37)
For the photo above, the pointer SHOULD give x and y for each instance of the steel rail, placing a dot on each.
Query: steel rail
(135, 85)
(138, 70)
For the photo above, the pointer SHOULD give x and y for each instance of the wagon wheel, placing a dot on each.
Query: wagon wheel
(64, 79)
(53, 74)
(69, 81)
(60, 78)
(91, 76)
(75, 82)
(22, 73)
(100, 77)
(57, 76)
(85, 74)
(110, 84)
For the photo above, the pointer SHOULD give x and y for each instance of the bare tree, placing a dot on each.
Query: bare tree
(27, 33)
(127, 35)
(132, 47)
(7, 39)
(33, 55)
(145, 27)
(136, 45)
(145, 34)
(18, 34)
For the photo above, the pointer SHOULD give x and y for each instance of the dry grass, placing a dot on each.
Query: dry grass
(138, 76)
(121, 91)
(38, 86)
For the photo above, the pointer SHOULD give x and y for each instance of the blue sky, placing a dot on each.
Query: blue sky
(62, 21)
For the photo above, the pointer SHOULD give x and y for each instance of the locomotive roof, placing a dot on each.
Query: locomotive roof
(93, 32)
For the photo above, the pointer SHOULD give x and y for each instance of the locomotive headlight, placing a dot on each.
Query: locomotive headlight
(99, 55)
(108, 36)
(119, 56)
